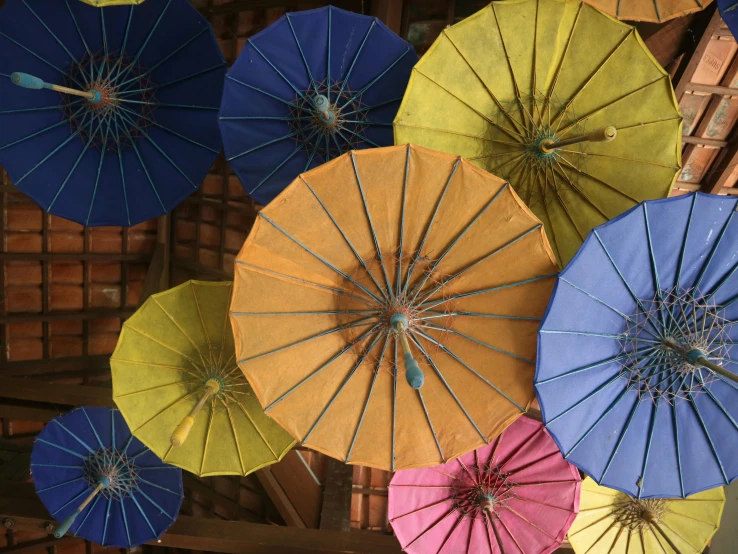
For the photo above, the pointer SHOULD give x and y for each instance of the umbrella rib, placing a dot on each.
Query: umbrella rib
(321, 258)
(509, 533)
(509, 509)
(620, 439)
(75, 437)
(97, 178)
(372, 107)
(157, 414)
(715, 399)
(472, 339)
(665, 524)
(168, 130)
(430, 424)
(571, 100)
(327, 312)
(488, 523)
(80, 85)
(267, 60)
(577, 190)
(693, 403)
(157, 486)
(328, 54)
(79, 31)
(375, 239)
(590, 395)
(175, 81)
(668, 511)
(343, 234)
(211, 415)
(61, 484)
(554, 82)
(134, 61)
(107, 518)
(168, 105)
(613, 157)
(430, 224)
(368, 398)
(378, 77)
(181, 330)
(92, 508)
(333, 290)
(158, 148)
(123, 512)
(467, 135)
(523, 499)
(427, 356)
(43, 161)
(322, 367)
(256, 427)
(59, 42)
(611, 103)
(715, 246)
(157, 341)
(492, 96)
(394, 403)
(57, 466)
(202, 321)
(356, 57)
(360, 360)
(451, 532)
(302, 54)
(235, 436)
(401, 239)
(418, 287)
(162, 510)
(594, 365)
(280, 166)
(140, 510)
(455, 357)
(163, 366)
(642, 480)
(359, 323)
(415, 511)
(157, 387)
(433, 525)
(457, 313)
(146, 171)
(287, 102)
(74, 499)
(475, 263)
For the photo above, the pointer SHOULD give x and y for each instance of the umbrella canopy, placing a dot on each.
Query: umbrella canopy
(517, 494)
(637, 361)
(175, 358)
(556, 97)
(729, 13)
(657, 11)
(101, 482)
(611, 522)
(386, 306)
(313, 85)
(121, 123)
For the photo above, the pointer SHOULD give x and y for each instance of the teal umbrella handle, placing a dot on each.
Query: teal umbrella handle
(27, 81)
(413, 373)
(64, 526)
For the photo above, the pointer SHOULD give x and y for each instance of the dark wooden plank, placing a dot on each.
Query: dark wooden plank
(36, 545)
(73, 257)
(65, 316)
(152, 282)
(684, 74)
(335, 514)
(279, 498)
(193, 484)
(713, 89)
(30, 367)
(390, 13)
(55, 393)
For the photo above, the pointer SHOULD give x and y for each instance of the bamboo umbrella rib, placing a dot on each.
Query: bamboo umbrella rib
(158, 387)
(597, 180)
(235, 437)
(163, 345)
(621, 437)
(160, 412)
(526, 520)
(620, 158)
(470, 339)
(697, 412)
(181, 330)
(579, 191)
(430, 424)
(508, 532)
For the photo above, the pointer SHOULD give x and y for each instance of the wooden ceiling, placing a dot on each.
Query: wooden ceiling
(64, 291)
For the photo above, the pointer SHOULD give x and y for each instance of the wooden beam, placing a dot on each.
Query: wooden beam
(200, 270)
(389, 12)
(155, 274)
(197, 486)
(72, 257)
(688, 139)
(336, 512)
(55, 393)
(27, 411)
(64, 316)
(36, 545)
(684, 75)
(237, 6)
(31, 367)
(712, 89)
(19, 503)
(279, 498)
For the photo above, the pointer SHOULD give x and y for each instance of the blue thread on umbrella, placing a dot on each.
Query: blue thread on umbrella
(91, 450)
(312, 86)
(147, 133)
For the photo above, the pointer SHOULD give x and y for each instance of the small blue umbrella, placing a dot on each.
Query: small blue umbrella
(108, 116)
(310, 87)
(637, 363)
(101, 482)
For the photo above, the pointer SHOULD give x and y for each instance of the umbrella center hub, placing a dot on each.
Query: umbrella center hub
(482, 490)
(665, 337)
(114, 470)
(637, 514)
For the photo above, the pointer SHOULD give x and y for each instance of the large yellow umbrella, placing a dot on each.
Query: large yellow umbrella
(176, 382)
(386, 306)
(557, 97)
(656, 11)
(611, 522)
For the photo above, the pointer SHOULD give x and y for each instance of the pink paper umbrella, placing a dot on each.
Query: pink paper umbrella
(515, 495)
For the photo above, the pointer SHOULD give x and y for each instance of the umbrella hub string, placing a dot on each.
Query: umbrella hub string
(672, 344)
(638, 515)
(124, 106)
(482, 491)
(328, 120)
(115, 470)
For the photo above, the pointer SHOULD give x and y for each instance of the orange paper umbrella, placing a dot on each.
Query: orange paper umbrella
(386, 304)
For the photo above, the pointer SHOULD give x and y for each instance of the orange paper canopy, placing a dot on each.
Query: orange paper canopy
(345, 248)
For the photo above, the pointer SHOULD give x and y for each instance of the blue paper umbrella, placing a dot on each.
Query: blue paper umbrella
(637, 363)
(310, 87)
(101, 482)
(108, 116)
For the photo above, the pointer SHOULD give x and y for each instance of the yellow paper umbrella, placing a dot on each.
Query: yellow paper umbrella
(386, 306)
(106, 3)
(655, 11)
(558, 98)
(176, 382)
(611, 522)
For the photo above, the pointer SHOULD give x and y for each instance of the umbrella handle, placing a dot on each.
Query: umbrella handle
(29, 81)
(606, 134)
(64, 526)
(413, 373)
(697, 357)
(212, 386)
